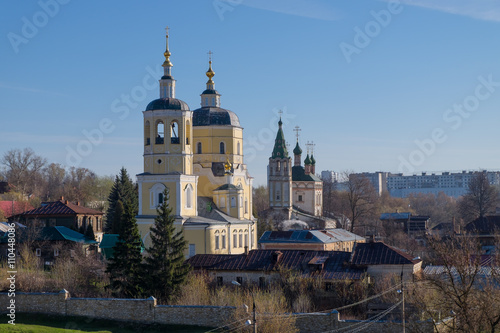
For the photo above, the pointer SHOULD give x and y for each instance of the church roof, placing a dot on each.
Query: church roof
(299, 174)
(313, 161)
(210, 92)
(307, 161)
(210, 115)
(280, 150)
(228, 187)
(167, 104)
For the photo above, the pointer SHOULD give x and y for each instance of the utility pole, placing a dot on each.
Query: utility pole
(403, 299)
(254, 316)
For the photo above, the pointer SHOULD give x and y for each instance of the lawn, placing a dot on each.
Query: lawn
(37, 323)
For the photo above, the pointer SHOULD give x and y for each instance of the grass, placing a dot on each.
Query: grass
(39, 323)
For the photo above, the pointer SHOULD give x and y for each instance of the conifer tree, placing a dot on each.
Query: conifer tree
(117, 217)
(165, 262)
(125, 267)
(123, 190)
(89, 233)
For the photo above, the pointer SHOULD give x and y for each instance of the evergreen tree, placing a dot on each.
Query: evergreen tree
(117, 217)
(125, 267)
(123, 190)
(165, 262)
(89, 233)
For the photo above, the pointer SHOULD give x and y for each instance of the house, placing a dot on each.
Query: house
(414, 225)
(485, 229)
(50, 243)
(380, 259)
(10, 208)
(63, 213)
(318, 240)
(263, 266)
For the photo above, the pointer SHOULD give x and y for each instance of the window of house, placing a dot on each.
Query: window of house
(223, 241)
(235, 240)
(222, 148)
(220, 280)
(300, 197)
(239, 279)
(198, 148)
(241, 239)
(216, 242)
(56, 252)
(38, 252)
(160, 198)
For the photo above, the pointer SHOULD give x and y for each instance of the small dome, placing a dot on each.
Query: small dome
(313, 161)
(297, 150)
(207, 116)
(307, 161)
(167, 104)
(210, 92)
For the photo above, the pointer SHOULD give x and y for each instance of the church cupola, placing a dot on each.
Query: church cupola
(280, 150)
(210, 97)
(313, 165)
(297, 151)
(307, 165)
(167, 82)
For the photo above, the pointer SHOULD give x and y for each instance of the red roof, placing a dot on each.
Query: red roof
(10, 208)
(61, 207)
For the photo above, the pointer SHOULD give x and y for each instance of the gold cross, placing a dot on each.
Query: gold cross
(210, 55)
(297, 130)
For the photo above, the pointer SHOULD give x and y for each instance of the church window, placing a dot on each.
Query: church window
(246, 205)
(147, 133)
(160, 133)
(160, 198)
(223, 241)
(213, 101)
(235, 239)
(198, 148)
(238, 148)
(174, 132)
(206, 101)
(222, 202)
(217, 241)
(240, 237)
(222, 148)
(156, 195)
(189, 196)
(233, 202)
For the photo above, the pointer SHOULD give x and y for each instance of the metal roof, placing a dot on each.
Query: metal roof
(309, 236)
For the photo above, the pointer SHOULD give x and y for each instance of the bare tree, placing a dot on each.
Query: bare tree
(260, 199)
(361, 199)
(459, 286)
(481, 198)
(23, 170)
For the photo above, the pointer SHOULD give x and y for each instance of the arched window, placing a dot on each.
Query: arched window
(217, 240)
(222, 148)
(147, 134)
(156, 195)
(198, 148)
(238, 148)
(189, 195)
(240, 238)
(174, 132)
(235, 239)
(160, 132)
(223, 242)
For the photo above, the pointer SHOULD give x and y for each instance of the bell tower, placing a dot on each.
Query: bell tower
(168, 157)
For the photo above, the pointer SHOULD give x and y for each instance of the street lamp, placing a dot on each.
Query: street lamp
(236, 283)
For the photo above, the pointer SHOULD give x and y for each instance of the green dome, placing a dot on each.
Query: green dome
(297, 150)
(307, 161)
(313, 161)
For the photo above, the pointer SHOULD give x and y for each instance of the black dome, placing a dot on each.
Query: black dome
(167, 104)
(207, 116)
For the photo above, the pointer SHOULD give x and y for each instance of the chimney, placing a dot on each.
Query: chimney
(276, 256)
(65, 202)
(78, 203)
(62, 198)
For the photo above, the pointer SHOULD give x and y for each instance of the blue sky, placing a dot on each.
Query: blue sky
(405, 87)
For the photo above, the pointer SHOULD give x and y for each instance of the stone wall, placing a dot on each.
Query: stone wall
(146, 310)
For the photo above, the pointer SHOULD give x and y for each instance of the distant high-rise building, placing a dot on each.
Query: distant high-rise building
(330, 176)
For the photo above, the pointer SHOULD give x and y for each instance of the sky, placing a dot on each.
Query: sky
(398, 86)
